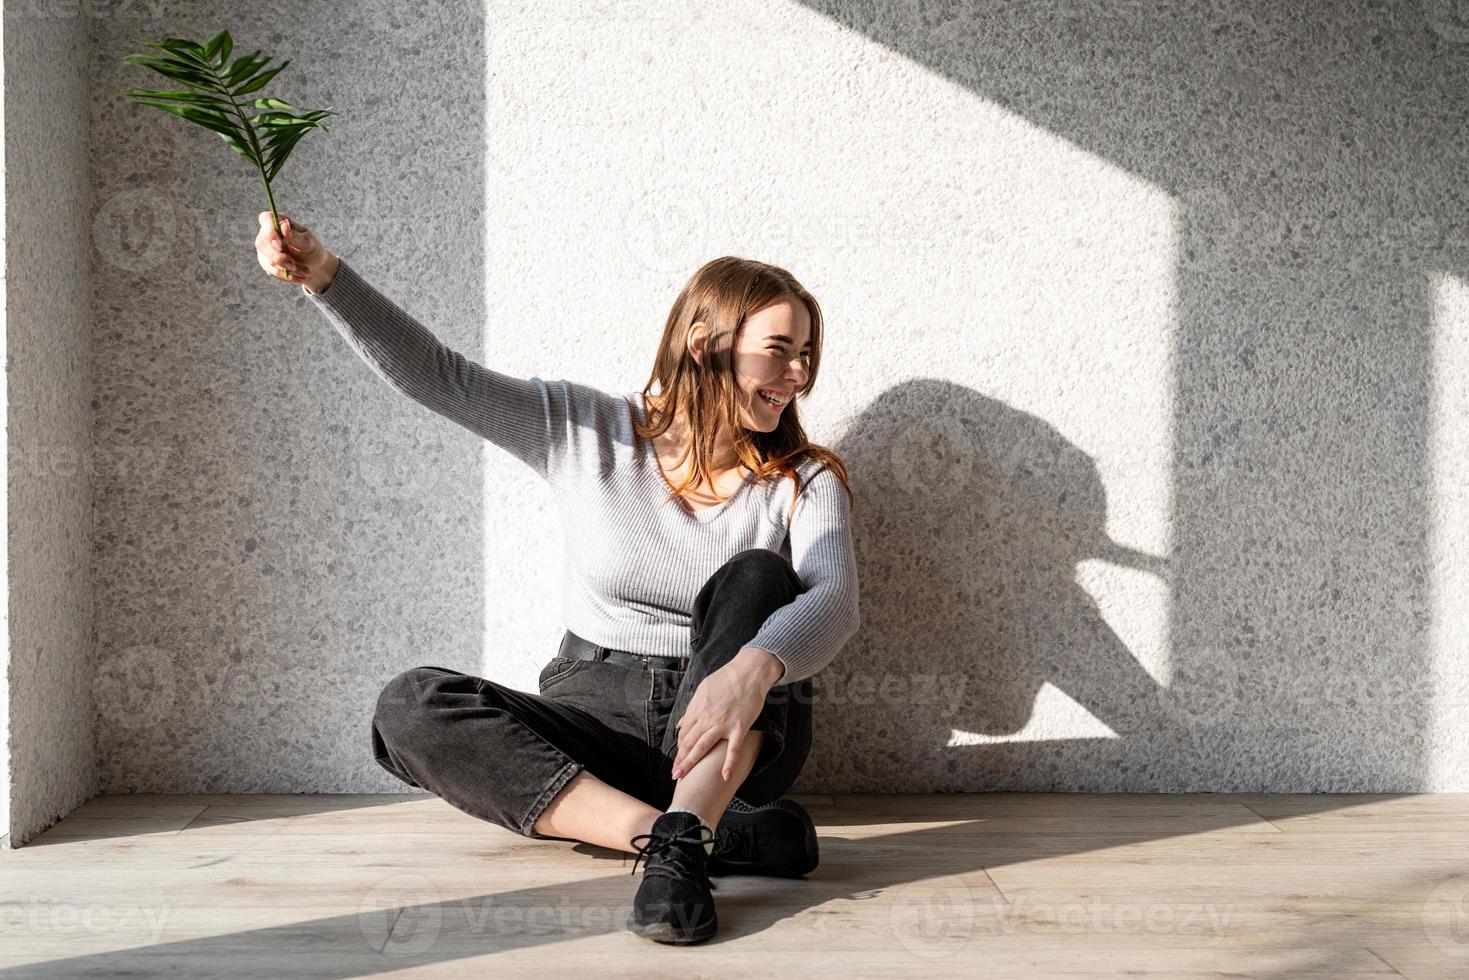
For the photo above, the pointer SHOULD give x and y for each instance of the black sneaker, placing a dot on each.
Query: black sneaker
(777, 839)
(674, 904)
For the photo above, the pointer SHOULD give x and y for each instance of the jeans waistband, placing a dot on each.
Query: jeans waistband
(575, 648)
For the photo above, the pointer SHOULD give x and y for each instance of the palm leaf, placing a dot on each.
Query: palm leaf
(219, 46)
(176, 70)
(212, 99)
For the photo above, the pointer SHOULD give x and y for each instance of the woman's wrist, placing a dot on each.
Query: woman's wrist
(323, 277)
(762, 665)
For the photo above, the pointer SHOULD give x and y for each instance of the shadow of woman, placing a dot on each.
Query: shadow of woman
(971, 522)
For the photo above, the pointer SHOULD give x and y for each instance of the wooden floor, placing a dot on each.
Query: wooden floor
(999, 885)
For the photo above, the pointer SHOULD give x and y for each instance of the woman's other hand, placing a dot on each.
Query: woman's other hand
(724, 706)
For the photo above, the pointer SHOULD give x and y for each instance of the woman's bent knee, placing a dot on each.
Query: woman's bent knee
(761, 565)
(402, 692)
(762, 559)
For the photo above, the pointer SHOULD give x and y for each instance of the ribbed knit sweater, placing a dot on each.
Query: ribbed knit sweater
(632, 565)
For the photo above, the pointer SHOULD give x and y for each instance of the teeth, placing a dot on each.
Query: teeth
(773, 401)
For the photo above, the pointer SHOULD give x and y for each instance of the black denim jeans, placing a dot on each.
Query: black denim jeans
(501, 754)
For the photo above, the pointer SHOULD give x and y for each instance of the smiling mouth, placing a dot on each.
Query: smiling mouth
(773, 404)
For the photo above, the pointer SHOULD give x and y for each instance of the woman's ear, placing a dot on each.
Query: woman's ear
(698, 335)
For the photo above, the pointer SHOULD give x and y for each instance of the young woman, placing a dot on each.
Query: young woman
(709, 575)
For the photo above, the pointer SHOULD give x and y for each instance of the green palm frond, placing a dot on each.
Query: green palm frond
(212, 93)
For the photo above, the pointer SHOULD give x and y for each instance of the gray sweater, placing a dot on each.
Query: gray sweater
(631, 568)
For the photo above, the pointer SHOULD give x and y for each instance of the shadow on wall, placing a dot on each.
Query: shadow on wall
(974, 564)
(1316, 154)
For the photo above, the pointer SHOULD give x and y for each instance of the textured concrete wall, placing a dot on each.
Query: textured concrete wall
(48, 693)
(1132, 317)
(293, 532)
(1173, 371)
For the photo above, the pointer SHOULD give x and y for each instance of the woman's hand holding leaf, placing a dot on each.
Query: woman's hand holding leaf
(301, 257)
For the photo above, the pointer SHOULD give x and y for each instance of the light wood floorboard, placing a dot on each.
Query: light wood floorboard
(996, 884)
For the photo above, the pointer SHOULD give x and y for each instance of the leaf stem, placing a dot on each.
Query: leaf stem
(255, 145)
(271, 198)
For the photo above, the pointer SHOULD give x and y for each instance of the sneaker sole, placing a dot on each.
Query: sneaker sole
(665, 932)
(724, 867)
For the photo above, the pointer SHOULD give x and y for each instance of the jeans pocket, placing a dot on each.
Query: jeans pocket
(557, 670)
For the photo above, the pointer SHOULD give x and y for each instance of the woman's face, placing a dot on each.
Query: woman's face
(772, 355)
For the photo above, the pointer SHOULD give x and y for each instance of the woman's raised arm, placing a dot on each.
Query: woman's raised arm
(521, 415)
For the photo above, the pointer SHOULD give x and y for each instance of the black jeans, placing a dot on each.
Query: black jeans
(501, 754)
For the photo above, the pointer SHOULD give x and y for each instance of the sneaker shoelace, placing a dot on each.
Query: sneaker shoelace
(733, 839)
(672, 848)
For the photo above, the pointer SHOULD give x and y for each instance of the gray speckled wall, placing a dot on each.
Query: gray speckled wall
(1184, 372)
(1141, 349)
(293, 533)
(48, 701)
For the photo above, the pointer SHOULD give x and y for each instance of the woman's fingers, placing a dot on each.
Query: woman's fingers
(696, 752)
(283, 257)
(287, 269)
(280, 261)
(689, 731)
(702, 746)
(293, 237)
(730, 752)
(686, 739)
(299, 240)
(292, 262)
(267, 228)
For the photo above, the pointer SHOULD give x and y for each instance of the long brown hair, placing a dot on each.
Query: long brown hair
(723, 293)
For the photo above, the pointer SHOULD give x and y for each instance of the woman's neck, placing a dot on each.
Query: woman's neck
(678, 434)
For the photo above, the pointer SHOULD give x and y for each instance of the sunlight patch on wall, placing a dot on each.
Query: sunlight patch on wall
(1056, 717)
(1000, 302)
(1449, 531)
